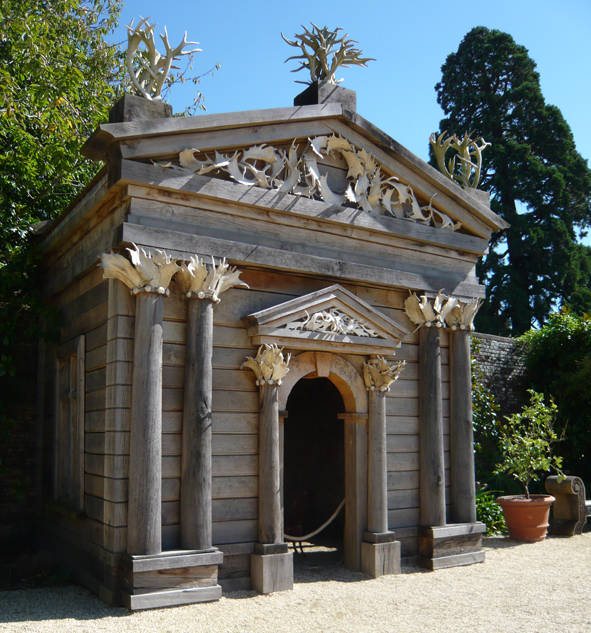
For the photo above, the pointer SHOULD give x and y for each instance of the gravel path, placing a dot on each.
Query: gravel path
(537, 588)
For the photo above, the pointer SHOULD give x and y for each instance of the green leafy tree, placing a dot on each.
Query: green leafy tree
(57, 76)
(526, 442)
(538, 182)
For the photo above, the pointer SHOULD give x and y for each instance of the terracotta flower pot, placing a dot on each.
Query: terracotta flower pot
(526, 519)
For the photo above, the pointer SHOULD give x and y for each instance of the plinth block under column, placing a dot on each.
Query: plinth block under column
(171, 578)
(271, 572)
(451, 545)
(380, 559)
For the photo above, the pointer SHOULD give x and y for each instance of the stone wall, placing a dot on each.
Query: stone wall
(500, 361)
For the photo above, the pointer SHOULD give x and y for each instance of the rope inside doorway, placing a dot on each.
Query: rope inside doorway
(324, 525)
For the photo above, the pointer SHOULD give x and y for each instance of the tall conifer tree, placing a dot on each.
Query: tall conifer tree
(538, 182)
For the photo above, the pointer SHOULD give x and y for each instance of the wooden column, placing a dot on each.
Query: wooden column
(144, 524)
(196, 517)
(377, 473)
(270, 510)
(463, 485)
(355, 488)
(431, 464)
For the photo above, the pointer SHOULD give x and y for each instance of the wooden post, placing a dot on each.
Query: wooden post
(144, 524)
(355, 489)
(196, 491)
(270, 510)
(463, 485)
(377, 474)
(431, 464)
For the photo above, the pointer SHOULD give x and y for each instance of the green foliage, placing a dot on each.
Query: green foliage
(558, 361)
(526, 441)
(56, 84)
(538, 182)
(490, 512)
(56, 77)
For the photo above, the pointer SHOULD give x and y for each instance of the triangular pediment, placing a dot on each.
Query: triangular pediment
(332, 319)
(357, 167)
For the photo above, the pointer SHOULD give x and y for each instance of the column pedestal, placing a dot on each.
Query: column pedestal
(451, 545)
(171, 579)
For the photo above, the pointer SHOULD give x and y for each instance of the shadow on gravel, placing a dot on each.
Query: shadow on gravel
(57, 603)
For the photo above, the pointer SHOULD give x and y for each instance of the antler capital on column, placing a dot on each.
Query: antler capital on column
(145, 272)
(269, 365)
(197, 281)
(442, 311)
(379, 374)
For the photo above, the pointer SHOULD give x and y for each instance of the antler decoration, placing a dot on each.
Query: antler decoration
(323, 43)
(197, 281)
(379, 374)
(269, 366)
(443, 311)
(145, 272)
(469, 152)
(154, 68)
(368, 188)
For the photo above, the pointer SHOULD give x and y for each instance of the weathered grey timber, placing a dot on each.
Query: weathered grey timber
(569, 511)
(432, 478)
(144, 534)
(196, 484)
(451, 546)
(270, 510)
(292, 250)
(355, 488)
(377, 476)
(462, 476)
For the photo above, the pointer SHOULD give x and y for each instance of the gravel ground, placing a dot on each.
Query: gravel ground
(533, 588)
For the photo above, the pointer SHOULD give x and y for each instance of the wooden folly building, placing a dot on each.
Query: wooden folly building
(164, 466)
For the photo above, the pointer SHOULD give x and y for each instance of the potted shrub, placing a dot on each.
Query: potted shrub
(526, 445)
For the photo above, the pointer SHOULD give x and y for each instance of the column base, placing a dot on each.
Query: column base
(450, 545)
(171, 578)
(381, 555)
(271, 572)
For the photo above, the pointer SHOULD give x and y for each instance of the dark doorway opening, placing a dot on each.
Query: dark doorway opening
(314, 464)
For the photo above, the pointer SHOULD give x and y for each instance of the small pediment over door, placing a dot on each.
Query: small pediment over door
(332, 319)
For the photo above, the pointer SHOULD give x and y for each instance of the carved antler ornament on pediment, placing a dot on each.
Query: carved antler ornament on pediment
(469, 152)
(323, 51)
(145, 272)
(298, 173)
(442, 311)
(379, 374)
(196, 280)
(147, 68)
(269, 365)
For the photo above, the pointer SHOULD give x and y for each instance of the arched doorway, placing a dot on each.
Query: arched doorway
(351, 387)
(314, 461)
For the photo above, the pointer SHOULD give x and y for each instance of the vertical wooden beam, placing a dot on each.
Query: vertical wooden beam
(39, 426)
(377, 475)
(80, 400)
(431, 464)
(355, 490)
(144, 529)
(196, 483)
(463, 486)
(270, 510)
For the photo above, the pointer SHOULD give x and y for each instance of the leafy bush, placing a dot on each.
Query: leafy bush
(558, 360)
(490, 512)
(526, 442)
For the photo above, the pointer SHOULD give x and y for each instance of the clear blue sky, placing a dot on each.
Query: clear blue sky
(409, 39)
